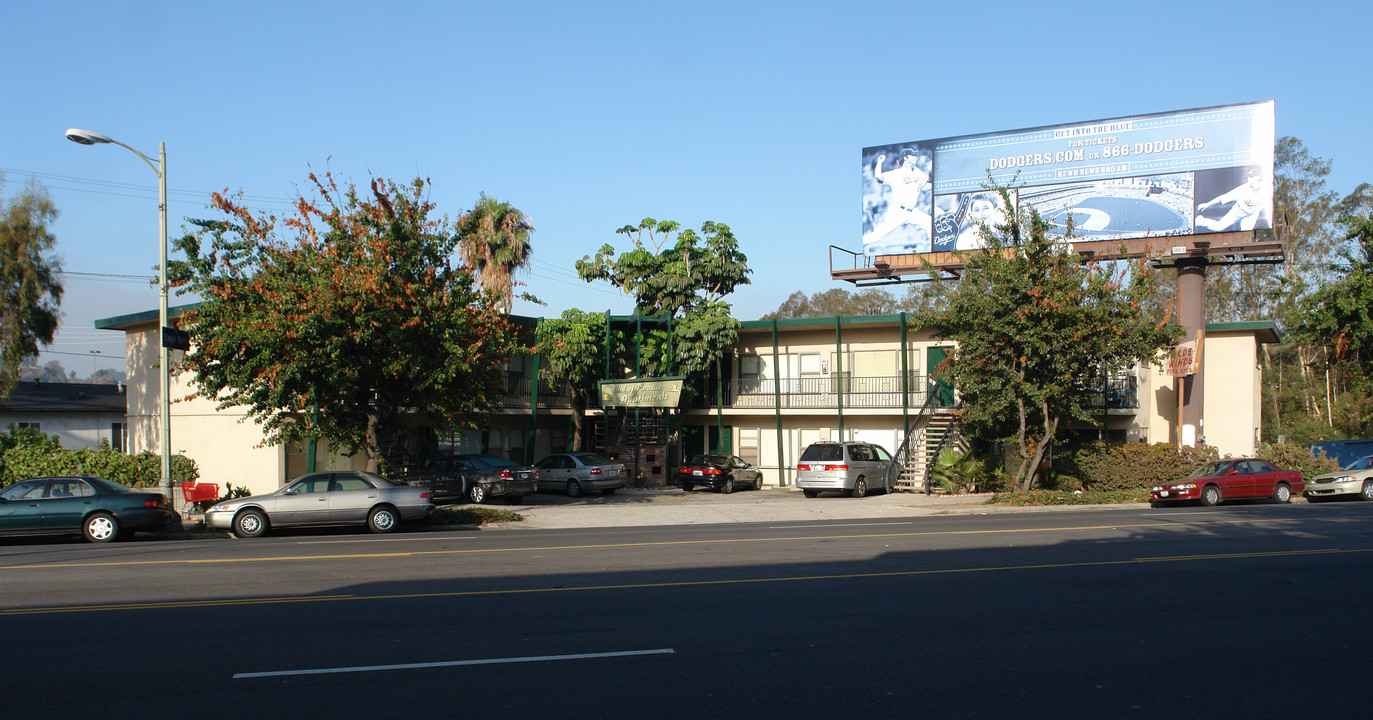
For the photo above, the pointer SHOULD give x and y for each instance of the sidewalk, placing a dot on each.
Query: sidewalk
(634, 507)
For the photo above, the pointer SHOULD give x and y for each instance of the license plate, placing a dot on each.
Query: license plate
(1163, 493)
(695, 472)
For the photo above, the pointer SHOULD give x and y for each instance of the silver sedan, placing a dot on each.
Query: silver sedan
(325, 498)
(1355, 480)
(577, 472)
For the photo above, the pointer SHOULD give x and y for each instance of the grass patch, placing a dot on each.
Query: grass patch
(473, 516)
(1068, 497)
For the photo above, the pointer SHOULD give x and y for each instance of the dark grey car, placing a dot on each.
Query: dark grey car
(476, 478)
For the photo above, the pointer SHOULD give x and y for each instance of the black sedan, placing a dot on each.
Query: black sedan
(95, 507)
(476, 478)
(721, 472)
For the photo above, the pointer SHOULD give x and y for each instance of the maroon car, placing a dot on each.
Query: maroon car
(1231, 480)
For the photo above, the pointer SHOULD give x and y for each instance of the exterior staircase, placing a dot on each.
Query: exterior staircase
(929, 434)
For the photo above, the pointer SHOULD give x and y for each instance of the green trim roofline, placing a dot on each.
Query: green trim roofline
(1266, 331)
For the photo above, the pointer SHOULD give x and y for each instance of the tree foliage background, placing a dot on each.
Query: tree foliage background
(30, 290)
(343, 320)
(682, 275)
(1034, 325)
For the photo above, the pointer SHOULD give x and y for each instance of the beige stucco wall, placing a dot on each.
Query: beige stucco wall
(1231, 396)
(224, 449)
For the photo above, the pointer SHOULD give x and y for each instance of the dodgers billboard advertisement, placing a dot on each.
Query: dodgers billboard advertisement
(1188, 172)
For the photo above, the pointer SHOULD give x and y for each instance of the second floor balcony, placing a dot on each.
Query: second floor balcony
(821, 392)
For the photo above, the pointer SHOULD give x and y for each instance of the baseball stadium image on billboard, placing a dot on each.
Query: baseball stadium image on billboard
(1190, 172)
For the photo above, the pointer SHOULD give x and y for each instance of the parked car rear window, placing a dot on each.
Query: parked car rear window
(592, 459)
(821, 453)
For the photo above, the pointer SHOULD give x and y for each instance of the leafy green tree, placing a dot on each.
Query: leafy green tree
(1340, 315)
(1034, 323)
(835, 301)
(493, 238)
(347, 322)
(30, 291)
(572, 350)
(686, 280)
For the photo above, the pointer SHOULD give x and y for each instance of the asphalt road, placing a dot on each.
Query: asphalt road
(1246, 611)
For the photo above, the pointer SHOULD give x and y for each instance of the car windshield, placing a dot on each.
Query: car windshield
(1362, 463)
(1210, 470)
(710, 460)
(593, 459)
(821, 453)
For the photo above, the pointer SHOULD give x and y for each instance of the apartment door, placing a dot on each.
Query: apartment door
(943, 388)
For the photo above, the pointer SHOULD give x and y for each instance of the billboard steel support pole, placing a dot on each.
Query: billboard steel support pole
(1192, 315)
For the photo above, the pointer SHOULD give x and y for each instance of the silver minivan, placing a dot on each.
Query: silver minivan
(849, 467)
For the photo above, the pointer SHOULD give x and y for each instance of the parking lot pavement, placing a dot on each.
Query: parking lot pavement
(637, 507)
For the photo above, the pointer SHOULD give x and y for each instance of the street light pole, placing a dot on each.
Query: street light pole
(164, 406)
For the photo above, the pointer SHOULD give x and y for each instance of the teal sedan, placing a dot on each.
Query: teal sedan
(97, 508)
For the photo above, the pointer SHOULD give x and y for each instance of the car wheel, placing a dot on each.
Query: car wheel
(860, 488)
(609, 491)
(811, 493)
(100, 528)
(1282, 493)
(382, 520)
(1366, 492)
(574, 488)
(1210, 495)
(514, 499)
(250, 524)
(477, 493)
(686, 487)
(758, 481)
(727, 486)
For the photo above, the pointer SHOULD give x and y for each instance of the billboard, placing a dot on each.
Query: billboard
(1189, 172)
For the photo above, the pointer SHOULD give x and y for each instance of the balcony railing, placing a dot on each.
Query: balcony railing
(826, 391)
(818, 392)
(1120, 392)
(517, 393)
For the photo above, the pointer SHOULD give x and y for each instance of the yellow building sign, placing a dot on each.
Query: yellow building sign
(657, 393)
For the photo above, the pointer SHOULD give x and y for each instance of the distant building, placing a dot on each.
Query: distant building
(79, 415)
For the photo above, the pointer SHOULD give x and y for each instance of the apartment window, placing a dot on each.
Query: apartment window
(118, 437)
(36, 427)
(749, 442)
(750, 370)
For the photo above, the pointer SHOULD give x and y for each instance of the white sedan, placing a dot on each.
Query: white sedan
(1355, 479)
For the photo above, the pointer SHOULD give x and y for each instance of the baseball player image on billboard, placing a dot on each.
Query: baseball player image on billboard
(898, 199)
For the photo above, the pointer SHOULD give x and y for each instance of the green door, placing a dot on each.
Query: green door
(943, 389)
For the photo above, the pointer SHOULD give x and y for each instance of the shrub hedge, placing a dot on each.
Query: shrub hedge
(27, 453)
(1133, 467)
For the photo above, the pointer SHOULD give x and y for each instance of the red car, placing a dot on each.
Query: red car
(1231, 480)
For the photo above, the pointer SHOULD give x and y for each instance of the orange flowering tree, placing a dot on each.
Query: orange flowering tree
(1035, 325)
(348, 319)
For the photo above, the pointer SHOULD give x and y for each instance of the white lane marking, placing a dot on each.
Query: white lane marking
(454, 663)
(399, 539)
(802, 527)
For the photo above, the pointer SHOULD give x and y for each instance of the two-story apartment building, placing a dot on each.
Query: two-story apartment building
(784, 385)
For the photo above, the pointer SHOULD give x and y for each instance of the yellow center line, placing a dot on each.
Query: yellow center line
(658, 543)
(178, 604)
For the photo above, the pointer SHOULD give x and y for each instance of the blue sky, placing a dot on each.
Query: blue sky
(589, 116)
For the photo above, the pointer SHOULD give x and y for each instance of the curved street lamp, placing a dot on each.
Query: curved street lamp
(86, 137)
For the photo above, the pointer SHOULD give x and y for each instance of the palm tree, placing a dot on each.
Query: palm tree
(494, 240)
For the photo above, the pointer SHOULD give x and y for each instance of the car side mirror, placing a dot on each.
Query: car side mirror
(1232, 472)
